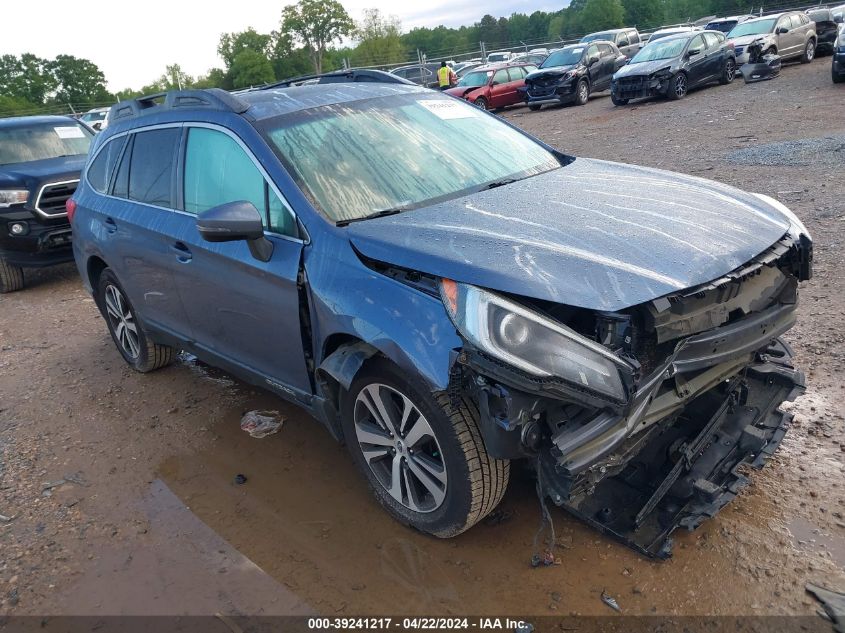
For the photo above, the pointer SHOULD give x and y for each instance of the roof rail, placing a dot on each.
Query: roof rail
(340, 76)
(210, 98)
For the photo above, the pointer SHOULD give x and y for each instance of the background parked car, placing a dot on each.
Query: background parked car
(530, 58)
(837, 68)
(425, 75)
(573, 73)
(790, 35)
(672, 30)
(499, 57)
(40, 161)
(626, 40)
(97, 119)
(826, 28)
(493, 86)
(673, 65)
(724, 25)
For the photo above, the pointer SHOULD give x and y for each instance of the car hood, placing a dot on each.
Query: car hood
(645, 68)
(592, 234)
(745, 40)
(462, 91)
(554, 71)
(35, 172)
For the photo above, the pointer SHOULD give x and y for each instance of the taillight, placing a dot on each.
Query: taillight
(70, 207)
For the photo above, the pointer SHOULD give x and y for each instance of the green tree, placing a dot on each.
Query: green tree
(316, 24)
(250, 68)
(214, 78)
(231, 44)
(26, 78)
(174, 78)
(643, 13)
(78, 81)
(379, 40)
(601, 14)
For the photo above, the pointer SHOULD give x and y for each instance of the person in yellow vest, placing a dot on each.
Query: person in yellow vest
(444, 76)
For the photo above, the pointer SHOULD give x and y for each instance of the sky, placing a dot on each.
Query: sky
(133, 47)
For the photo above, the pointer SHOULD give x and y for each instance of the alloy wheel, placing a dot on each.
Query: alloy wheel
(400, 447)
(122, 321)
(680, 85)
(811, 50)
(730, 70)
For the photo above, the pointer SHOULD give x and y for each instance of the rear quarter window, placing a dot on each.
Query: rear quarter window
(100, 171)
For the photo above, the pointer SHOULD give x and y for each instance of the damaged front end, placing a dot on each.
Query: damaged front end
(639, 421)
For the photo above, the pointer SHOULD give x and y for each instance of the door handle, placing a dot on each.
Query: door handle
(111, 225)
(183, 253)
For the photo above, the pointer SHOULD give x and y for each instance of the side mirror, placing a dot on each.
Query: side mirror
(495, 83)
(693, 52)
(233, 222)
(592, 60)
(782, 30)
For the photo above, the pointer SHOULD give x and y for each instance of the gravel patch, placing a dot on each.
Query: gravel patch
(828, 151)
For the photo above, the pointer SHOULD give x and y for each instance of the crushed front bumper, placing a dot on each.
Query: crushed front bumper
(685, 473)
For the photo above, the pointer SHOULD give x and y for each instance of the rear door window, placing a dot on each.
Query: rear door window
(501, 77)
(151, 166)
(218, 170)
(100, 171)
(712, 40)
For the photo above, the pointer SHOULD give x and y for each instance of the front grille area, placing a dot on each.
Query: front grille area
(52, 197)
(631, 87)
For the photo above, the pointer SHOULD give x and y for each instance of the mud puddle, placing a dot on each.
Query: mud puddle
(306, 518)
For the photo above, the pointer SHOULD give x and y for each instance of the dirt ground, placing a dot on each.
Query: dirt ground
(119, 487)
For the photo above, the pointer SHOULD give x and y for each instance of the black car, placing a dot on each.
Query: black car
(673, 65)
(40, 161)
(573, 73)
(423, 75)
(837, 69)
(826, 28)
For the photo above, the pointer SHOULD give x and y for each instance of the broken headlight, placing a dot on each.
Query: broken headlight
(529, 341)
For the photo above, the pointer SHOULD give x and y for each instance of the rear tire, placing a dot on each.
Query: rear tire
(441, 442)
(127, 332)
(809, 52)
(582, 92)
(11, 277)
(728, 72)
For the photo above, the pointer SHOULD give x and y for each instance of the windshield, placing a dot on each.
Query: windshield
(564, 57)
(91, 117)
(475, 79)
(498, 57)
(666, 49)
(605, 37)
(399, 152)
(724, 26)
(758, 27)
(39, 142)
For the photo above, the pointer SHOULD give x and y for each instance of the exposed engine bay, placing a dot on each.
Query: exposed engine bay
(702, 374)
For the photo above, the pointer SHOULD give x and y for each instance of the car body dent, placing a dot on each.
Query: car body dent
(598, 244)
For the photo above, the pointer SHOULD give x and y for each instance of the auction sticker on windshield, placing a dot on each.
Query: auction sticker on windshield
(449, 109)
(70, 131)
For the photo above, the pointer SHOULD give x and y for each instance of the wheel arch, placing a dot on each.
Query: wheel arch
(94, 267)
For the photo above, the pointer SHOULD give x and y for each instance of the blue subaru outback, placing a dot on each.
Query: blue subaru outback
(447, 294)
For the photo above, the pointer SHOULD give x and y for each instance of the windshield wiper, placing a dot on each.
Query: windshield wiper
(376, 214)
(498, 183)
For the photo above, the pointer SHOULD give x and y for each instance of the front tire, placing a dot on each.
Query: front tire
(422, 455)
(128, 334)
(677, 87)
(481, 102)
(534, 107)
(809, 52)
(11, 277)
(837, 78)
(728, 72)
(617, 101)
(582, 93)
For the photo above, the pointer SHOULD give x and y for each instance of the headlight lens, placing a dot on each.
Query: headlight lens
(530, 341)
(8, 197)
(796, 227)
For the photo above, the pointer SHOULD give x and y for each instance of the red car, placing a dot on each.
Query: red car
(493, 86)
